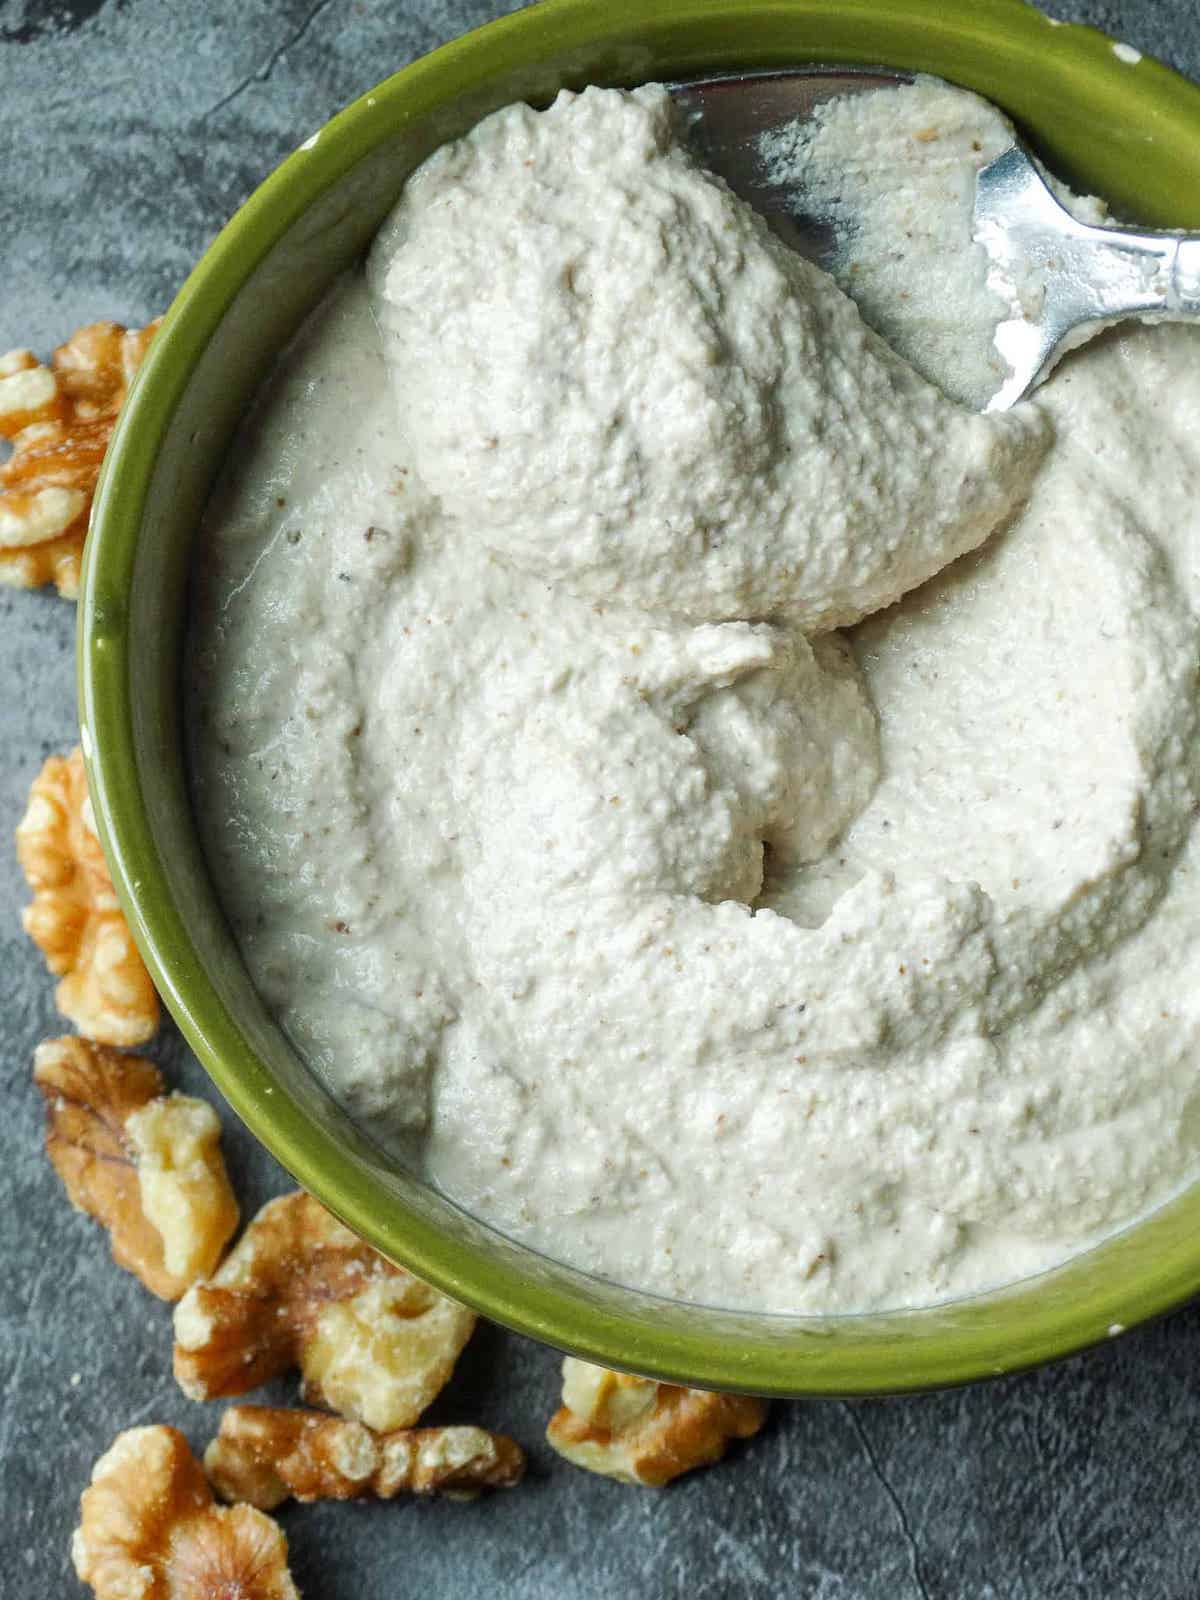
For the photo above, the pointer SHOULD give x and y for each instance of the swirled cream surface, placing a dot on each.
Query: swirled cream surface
(724, 808)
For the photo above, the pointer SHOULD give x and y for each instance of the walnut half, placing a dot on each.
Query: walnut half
(263, 1454)
(75, 919)
(299, 1289)
(59, 419)
(150, 1530)
(645, 1432)
(145, 1164)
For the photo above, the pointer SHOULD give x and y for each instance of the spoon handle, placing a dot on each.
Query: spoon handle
(1065, 279)
(1185, 278)
(1122, 274)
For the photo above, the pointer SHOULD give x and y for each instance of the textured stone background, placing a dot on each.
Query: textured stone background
(129, 130)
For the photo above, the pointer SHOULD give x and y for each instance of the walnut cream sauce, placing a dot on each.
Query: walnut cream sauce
(571, 836)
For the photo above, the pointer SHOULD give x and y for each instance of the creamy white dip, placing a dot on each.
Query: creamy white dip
(613, 375)
(691, 942)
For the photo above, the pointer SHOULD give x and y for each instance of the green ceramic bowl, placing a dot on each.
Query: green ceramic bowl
(1128, 131)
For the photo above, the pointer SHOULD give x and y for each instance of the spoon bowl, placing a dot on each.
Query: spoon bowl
(726, 118)
(1063, 280)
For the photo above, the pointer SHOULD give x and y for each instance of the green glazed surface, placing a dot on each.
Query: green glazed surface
(1131, 133)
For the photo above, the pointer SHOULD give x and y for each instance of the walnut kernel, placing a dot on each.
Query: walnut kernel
(299, 1289)
(59, 419)
(146, 1165)
(644, 1432)
(75, 919)
(149, 1530)
(263, 1454)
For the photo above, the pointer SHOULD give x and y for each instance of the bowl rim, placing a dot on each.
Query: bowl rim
(976, 1344)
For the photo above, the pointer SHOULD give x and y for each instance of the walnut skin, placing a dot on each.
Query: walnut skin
(299, 1289)
(644, 1432)
(59, 419)
(75, 919)
(150, 1530)
(146, 1165)
(263, 1454)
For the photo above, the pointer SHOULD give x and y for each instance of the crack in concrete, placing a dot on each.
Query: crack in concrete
(885, 1483)
(262, 73)
(1060, 1540)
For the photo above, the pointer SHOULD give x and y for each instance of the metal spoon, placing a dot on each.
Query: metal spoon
(1086, 277)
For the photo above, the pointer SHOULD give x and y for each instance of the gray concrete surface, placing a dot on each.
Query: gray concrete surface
(129, 130)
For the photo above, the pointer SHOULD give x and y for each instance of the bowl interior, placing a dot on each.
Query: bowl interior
(1130, 132)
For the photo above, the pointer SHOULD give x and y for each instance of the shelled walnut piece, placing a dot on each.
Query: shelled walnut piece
(645, 1432)
(59, 419)
(75, 919)
(149, 1530)
(146, 1164)
(299, 1289)
(263, 1454)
